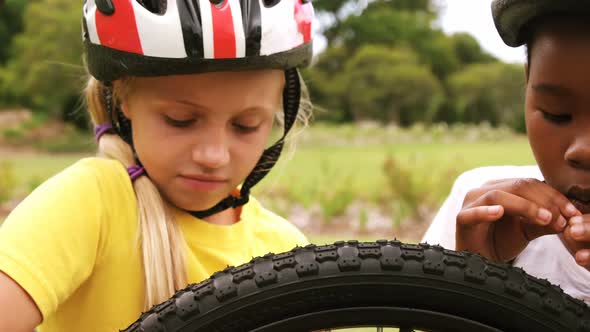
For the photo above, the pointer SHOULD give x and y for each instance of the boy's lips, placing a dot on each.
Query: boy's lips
(583, 207)
(580, 197)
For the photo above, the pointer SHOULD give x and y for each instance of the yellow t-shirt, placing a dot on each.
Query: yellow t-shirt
(71, 245)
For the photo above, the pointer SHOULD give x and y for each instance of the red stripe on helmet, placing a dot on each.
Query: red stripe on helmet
(119, 30)
(224, 36)
(304, 16)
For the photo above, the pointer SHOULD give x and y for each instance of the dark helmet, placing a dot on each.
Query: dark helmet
(511, 17)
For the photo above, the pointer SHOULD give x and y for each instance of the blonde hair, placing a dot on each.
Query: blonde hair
(159, 236)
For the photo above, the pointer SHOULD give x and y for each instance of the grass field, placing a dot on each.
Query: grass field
(334, 167)
(307, 163)
(313, 166)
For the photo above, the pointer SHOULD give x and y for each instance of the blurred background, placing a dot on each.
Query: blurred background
(408, 94)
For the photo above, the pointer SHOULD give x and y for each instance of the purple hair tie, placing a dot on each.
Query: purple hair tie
(135, 171)
(101, 130)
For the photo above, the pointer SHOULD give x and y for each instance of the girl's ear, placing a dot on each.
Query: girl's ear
(526, 72)
(124, 107)
(122, 101)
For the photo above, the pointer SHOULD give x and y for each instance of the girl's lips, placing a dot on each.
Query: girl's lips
(204, 184)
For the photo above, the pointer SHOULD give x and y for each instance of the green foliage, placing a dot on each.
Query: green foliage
(44, 69)
(388, 85)
(364, 75)
(330, 6)
(468, 50)
(72, 141)
(416, 185)
(48, 135)
(439, 53)
(38, 120)
(7, 180)
(492, 92)
(334, 197)
(383, 25)
(386, 61)
(33, 182)
(13, 135)
(327, 86)
(338, 167)
(339, 10)
(335, 6)
(11, 23)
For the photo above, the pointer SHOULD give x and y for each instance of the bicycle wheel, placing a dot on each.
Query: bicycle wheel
(380, 284)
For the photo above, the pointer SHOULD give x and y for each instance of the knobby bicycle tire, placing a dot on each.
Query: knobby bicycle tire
(355, 283)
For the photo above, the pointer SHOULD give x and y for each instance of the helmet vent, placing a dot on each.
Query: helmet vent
(270, 3)
(106, 7)
(154, 6)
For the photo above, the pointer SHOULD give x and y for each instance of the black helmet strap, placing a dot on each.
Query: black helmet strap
(291, 101)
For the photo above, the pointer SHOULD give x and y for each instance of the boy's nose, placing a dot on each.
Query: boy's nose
(578, 153)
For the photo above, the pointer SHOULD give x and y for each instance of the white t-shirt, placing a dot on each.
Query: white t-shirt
(545, 257)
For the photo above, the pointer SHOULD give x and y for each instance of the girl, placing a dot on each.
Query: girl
(183, 96)
(537, 217)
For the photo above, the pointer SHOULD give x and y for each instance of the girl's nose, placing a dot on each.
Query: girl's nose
(212, 152)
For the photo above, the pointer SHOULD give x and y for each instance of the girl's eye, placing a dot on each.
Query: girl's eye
(245, 129)
(558, 119)
(179, 123)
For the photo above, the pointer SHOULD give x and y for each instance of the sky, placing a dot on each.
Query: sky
(472, 16)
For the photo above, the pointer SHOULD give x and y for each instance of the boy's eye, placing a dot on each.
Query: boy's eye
(557, 118)
(179, 123)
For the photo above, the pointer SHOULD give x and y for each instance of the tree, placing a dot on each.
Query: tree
(327, 85)
(389, 85)
(468, 50)
(437, 50)
(381, 23)
(341, 9)
(492, 92)
(331, 6)
(45, 69)
(11, 23)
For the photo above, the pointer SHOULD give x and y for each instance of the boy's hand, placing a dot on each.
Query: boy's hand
(500, 218)
(577, 239)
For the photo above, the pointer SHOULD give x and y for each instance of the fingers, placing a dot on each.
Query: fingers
(579, 231)
(583, 258)
(580, 228)
(485, 209)
(480, 214)
(537, 192)
(555, 198)
(545, 196)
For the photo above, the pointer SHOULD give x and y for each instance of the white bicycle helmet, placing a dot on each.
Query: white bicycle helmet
(125, 38)
(167, 37)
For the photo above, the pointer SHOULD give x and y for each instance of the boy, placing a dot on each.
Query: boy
(537, 217)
